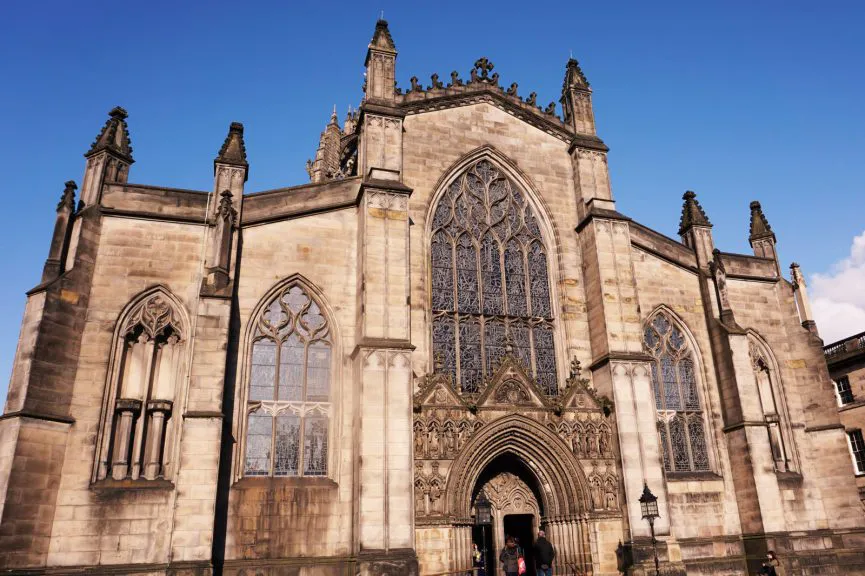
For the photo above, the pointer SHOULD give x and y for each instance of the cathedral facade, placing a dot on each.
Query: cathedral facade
(328, 379)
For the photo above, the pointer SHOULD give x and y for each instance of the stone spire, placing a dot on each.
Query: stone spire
(233, 151)
(60, 238)
(108, 158)
(692, 214)
(577, 99)
(326, 163)
(762, 238)
(381, 66)
(759, 225)
(696, 230)
(114, 136)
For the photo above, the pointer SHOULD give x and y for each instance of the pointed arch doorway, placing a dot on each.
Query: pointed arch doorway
(517, 512)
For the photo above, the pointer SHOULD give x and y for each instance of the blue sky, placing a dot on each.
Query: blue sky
(735, 100)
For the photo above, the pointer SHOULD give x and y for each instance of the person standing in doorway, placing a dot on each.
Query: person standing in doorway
(544, 555)
(509, 557)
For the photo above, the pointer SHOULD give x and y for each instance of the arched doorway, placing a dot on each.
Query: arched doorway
(513, 493)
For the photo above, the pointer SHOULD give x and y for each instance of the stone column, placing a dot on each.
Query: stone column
(158, 412)
(126, 409)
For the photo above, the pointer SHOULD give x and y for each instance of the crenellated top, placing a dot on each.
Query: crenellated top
(114, 136)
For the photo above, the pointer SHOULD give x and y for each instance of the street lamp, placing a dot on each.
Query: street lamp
(483, 518)
(649, 506)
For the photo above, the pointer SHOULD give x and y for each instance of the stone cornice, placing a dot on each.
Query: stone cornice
(37, 416)
(620, 357)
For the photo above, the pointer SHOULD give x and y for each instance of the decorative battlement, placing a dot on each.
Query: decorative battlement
(437, 96)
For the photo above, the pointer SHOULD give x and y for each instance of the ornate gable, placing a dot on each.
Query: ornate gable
(437, 390)
(579, 395)
(511, 386)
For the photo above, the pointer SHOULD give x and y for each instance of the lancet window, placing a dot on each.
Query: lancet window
(140, 421)
(677, 400)
(490, 281)
(288, 400)
(768, 388)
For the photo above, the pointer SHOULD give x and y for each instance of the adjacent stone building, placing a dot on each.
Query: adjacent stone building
(846, 360)
(323, 379)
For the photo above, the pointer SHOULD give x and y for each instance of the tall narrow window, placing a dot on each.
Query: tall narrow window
(289, 388)
(490, 284)
(138, 426)
(843, 390)
(677, 400)
(857, 450)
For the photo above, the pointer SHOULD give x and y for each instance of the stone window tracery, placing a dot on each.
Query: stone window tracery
(677, 401)
(768, 389)
(490, 282)
(137, 434)
(288, 403)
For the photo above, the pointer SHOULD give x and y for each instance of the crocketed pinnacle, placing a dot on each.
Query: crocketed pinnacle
(381, 38)
(114, 136)
(574, 77)
(759, 225)
(233, 150)
(692, 214)
(67, 200)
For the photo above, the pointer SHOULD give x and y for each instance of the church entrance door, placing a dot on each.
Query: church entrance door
(521, 527)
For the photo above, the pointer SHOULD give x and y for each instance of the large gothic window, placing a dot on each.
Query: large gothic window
(148, 362)
(674, 382)
(288, 403)
(490, 283)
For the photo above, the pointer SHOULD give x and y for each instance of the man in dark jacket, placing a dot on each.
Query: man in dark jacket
(544, 555)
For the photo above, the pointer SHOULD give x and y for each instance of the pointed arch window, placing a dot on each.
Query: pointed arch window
(139, 427)
(677, 401)
(490, 283)
(771, 405)
(288, 401)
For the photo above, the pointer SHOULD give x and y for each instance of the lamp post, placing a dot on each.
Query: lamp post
(483, 518)
(649, 506)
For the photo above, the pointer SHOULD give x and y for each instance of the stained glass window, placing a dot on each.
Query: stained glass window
(490, 281)
(289, 388)
(674, 382)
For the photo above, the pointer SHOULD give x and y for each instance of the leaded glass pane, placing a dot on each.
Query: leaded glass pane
(672, 399)
(444, 344)
(470, 355)
(287, 445)
(318, 363)
(661, 324)
(467, 276)
(665, 446)
(689, 384)
(291, 369)
(677, 339)
(263, 371)
(258, 435)
(491, 269)
(442, 273)
(315, 446)
(493, 232)
(516, 279)
(522, 343)
(312, 322)
(679, 442)
(545, 358)
(698, 442)
(494, 344)
(540, 284)
(650, 338)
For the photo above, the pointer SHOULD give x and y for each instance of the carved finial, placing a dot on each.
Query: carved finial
(333, 117)
(796, 275)
(67, 200)
(550, 109)
(532, 100)
(436, 83)
(114, 135)
(381, 38)
(233, 149)
(574, 77)
(484, 66)
(509, 344)
(759, 225)
(494, 79)
(512, 91)
(455, 79)
(692, 214)
(438, 363)
(415, 87)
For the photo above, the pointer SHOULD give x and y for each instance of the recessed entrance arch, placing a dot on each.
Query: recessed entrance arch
(531, 471)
